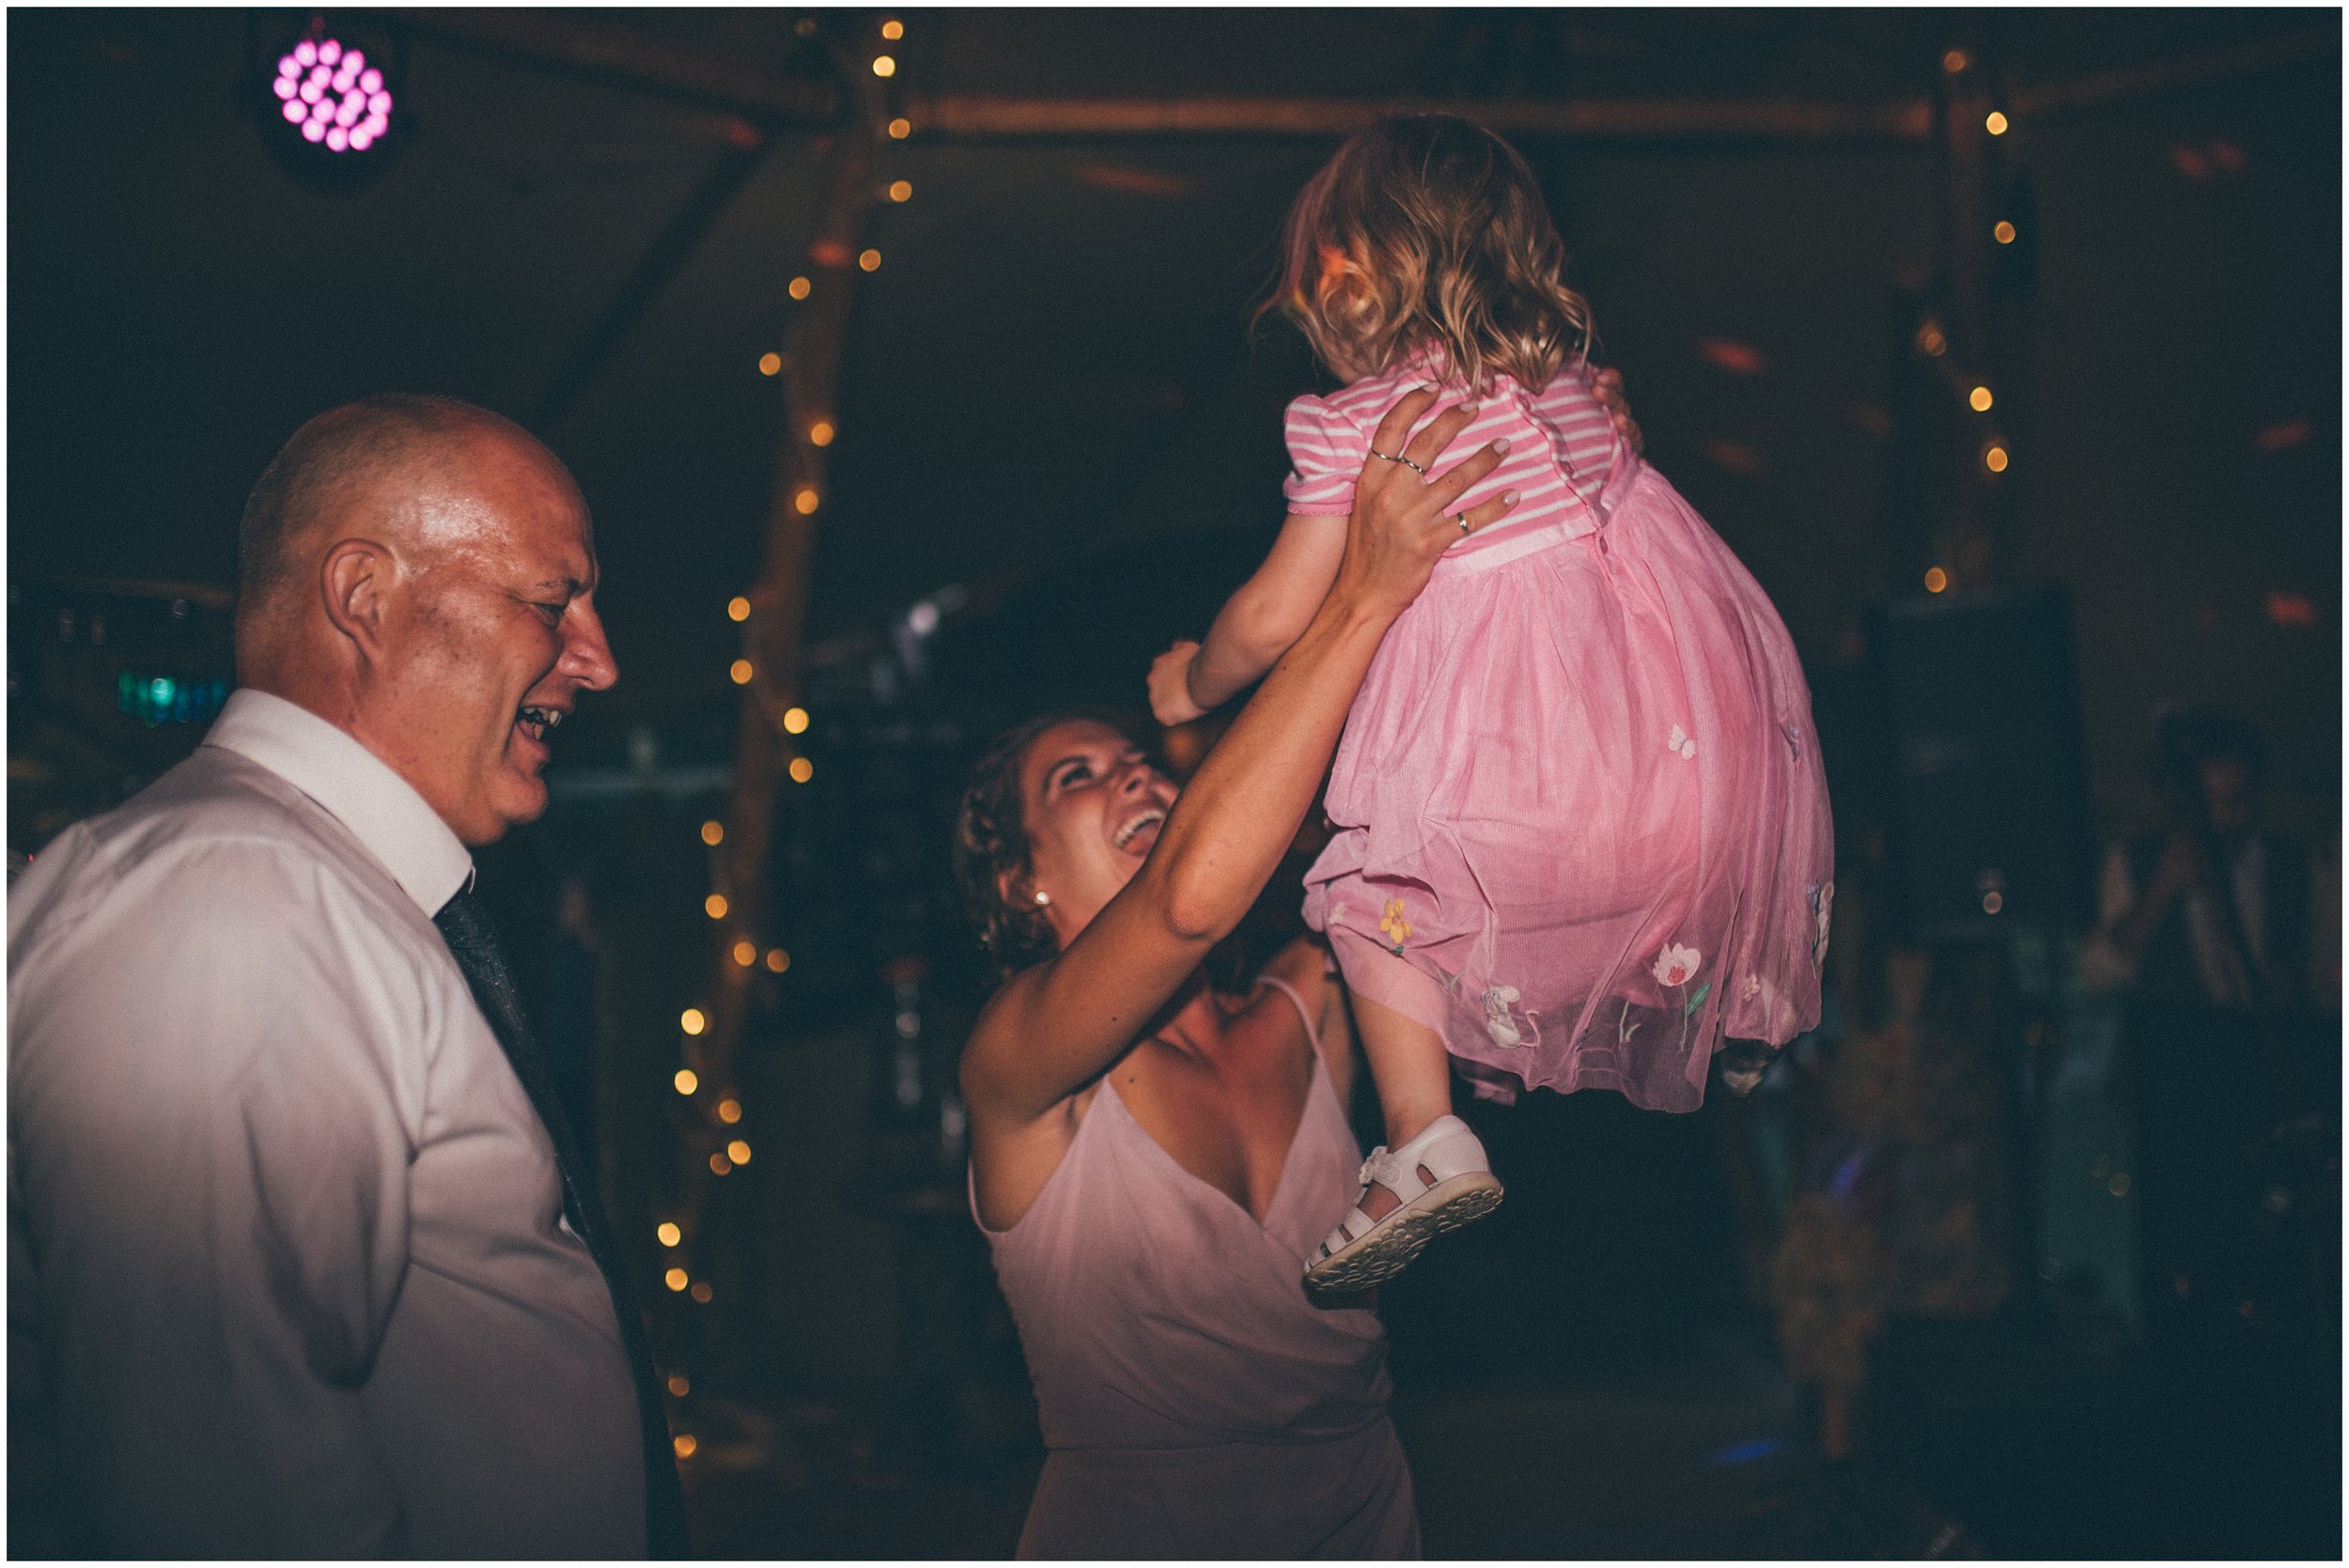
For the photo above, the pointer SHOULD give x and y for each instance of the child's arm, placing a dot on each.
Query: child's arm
(1256, 624)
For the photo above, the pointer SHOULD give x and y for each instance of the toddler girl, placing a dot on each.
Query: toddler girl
(1581, 831)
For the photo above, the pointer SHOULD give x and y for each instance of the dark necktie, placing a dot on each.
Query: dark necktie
(472, 940)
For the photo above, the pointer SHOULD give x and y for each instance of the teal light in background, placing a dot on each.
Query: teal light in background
(167, 700)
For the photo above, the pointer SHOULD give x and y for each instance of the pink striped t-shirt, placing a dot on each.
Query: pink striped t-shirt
(1562, 445)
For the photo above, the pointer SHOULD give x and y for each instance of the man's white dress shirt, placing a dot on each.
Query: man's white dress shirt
(298, 1276)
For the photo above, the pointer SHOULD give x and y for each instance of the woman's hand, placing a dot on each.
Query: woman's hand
(1402, 523)
(1607, 387)
(1170, 685)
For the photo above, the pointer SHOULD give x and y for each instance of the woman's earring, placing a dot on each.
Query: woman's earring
(1041, 896)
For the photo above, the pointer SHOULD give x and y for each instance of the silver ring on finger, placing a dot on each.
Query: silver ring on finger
(1461, 518)
(1388, 457)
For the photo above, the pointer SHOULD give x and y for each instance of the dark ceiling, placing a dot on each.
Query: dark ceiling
(1054, 358)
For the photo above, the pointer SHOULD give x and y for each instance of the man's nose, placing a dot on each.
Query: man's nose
(586, 655)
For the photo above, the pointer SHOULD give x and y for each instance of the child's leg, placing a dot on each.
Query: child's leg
(1409, 1064)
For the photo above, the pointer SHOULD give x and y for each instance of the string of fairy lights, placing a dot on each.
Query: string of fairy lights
(716, 1112)
(1994, 452)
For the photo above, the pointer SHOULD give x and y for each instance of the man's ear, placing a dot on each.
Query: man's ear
(355, 582)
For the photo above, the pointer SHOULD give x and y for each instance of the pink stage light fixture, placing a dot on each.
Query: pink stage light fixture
(333, 96)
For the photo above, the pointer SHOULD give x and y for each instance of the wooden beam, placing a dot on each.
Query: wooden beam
(567, 42)
(774, 636)
(660, 261)
(2155, 77)
(982, 119)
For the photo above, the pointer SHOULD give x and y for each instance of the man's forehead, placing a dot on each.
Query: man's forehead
(505, 491)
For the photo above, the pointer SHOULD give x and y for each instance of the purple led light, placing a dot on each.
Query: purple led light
(333, 95)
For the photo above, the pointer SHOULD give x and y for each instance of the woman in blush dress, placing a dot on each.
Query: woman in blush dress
(1152, 1160)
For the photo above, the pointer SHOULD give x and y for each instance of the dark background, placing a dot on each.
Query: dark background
(1056, 425)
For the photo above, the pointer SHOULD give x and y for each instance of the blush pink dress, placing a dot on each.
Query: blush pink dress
(1581, 827)
(1196, 1404)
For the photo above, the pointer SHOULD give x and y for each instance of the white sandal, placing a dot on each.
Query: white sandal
(1363, 1251)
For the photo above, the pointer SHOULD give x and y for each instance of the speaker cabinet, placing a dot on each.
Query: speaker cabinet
(1990, 823)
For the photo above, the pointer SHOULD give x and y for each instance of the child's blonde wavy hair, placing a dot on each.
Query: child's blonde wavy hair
(1428, 230)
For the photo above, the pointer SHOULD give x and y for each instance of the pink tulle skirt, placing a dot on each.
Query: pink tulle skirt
(1581, 825)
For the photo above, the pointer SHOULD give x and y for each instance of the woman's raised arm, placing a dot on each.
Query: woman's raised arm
(1054, 1028)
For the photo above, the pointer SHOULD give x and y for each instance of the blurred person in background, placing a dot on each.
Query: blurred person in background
(2213, 934)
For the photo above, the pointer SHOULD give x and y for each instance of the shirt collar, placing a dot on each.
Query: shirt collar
(355, 786)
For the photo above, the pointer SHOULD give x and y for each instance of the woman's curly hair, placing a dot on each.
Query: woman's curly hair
(991, 847)
(1428, 230)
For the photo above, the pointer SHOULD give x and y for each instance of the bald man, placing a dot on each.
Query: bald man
(301, 1252)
